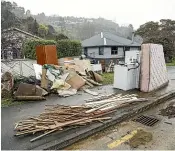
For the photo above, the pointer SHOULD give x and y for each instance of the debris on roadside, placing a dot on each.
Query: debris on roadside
(7, 83)
(29, 92)
(113, 102)
(63, 80)
(29, 80)
(140, 138)
(57, 117)
(91, 92)
(169, 110)
(29, 98)
(168, 123)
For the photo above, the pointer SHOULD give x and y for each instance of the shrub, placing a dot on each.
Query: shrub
(29, 47)
(68, 48)
(65, 48)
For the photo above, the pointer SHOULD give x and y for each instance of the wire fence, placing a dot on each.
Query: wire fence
(19, 67)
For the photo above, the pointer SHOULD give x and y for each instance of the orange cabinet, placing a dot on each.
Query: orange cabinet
(46, 54)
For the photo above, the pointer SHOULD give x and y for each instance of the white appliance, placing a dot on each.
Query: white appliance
(126, 76)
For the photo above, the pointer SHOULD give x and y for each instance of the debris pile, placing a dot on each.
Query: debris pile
(113, 102)
(7, 83)
(67, 81)
(169, 110)
(57, 118)
(63, 80)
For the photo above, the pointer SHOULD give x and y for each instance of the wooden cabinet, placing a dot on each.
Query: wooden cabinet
(46, 54)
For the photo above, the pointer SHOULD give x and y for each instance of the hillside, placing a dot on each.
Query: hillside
(73, 27)
(58, 27)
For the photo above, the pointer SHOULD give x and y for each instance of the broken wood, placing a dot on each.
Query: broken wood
(36, 138)
(59, 117)
(31, 98)
(91, 92)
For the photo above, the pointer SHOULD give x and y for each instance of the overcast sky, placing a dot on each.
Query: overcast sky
(136, 12)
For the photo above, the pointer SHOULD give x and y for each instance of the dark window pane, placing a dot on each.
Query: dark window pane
(127, 48)
(114, 50)
(101, 50)
(85, 51)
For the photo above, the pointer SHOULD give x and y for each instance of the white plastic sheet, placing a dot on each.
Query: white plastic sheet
(38, 71)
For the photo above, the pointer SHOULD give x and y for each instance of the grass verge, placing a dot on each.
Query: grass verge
(171, 64)
(9, 102)
(108, 78)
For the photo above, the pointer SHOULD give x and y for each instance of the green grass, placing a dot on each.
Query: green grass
(108, 78)
(9, 102)
(171, 64)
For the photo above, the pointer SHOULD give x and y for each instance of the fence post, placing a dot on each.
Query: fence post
(21, 73)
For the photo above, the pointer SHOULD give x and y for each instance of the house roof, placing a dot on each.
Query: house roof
(21, 31)
(108, 39)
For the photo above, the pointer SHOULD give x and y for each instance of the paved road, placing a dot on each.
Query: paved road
(10, 115)
(118, 135)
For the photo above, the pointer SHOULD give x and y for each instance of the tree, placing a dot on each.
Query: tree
(28, 13)
(61, 37)
(51, 30)
(35, 27)
(19, 12)
(149, 29)
(29, 24)
(42, 30)
(160, 33)
(8, 18)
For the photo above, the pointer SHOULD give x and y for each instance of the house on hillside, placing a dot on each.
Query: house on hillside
(12, 41)
(106, 46)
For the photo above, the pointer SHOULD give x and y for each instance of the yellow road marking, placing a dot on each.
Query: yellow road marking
(122, 140)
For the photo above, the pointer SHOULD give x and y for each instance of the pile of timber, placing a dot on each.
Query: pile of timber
(57, 118)
(112, 102)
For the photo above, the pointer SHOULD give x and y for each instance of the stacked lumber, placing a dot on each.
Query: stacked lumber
(112, 102)
(58, 118)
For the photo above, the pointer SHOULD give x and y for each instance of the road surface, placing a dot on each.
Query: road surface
(117, 137)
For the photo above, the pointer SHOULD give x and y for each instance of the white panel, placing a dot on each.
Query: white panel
(125, 79)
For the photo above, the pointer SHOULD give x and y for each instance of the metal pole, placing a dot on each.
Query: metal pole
(21, 73)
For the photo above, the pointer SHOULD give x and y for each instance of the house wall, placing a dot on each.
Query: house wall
(134, 48)
(94, 52)
(11, 44)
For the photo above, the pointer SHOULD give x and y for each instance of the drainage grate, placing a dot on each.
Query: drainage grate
(146, 120)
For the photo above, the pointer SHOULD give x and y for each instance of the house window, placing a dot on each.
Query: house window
(127, 48)
(85, 51)
(101, 50)
(114, 50)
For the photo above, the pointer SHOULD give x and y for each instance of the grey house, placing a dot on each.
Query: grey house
(106, 46)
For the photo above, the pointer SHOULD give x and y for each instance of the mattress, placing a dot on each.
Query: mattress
(153, 72)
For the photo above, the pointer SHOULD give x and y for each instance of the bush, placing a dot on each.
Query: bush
(65, 48)
(30, 47)
(68, 48)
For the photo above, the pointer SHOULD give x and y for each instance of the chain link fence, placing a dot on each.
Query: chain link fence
(19, 67)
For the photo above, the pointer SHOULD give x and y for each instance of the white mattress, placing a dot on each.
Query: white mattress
(153, 68)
